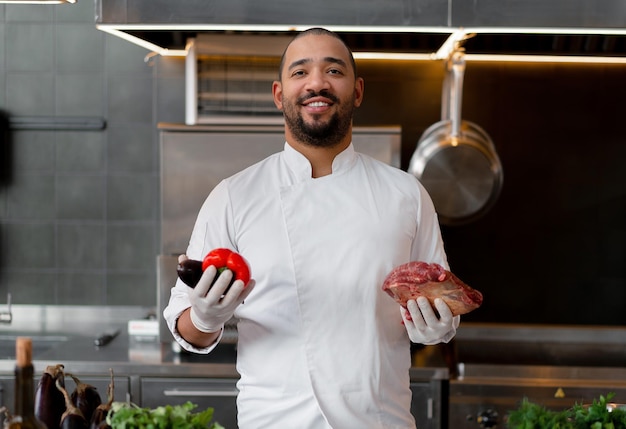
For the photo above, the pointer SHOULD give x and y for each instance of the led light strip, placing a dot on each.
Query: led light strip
(115, 31)
(399, 56)
(573, 59)
(455, 38)
(118, 30)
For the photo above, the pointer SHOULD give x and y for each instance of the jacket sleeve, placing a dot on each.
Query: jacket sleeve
(213, 228)
(178, 303)
(428, 244)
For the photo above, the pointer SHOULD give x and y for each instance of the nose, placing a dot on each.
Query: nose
(317, 81)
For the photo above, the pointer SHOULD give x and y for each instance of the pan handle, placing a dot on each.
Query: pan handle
(457, 67)
(445, 92)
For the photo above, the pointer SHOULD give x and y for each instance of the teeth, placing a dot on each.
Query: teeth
(318, 104)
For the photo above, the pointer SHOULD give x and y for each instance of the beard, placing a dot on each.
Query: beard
(318, 133)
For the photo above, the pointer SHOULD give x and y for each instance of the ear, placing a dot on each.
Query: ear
(359, 88)
(277, 93)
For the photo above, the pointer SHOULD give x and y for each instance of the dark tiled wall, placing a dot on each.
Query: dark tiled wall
(79, 212)
(553, 248)
(79, 209)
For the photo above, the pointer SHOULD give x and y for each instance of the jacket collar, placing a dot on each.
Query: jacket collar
(301, 166)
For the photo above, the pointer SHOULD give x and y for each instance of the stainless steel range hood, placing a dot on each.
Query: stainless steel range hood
(567, 28)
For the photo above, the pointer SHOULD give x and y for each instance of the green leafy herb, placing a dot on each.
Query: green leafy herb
(125, 415)
(534, 416)
(600, 414)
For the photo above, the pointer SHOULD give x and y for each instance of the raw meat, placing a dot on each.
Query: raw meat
(414, 279)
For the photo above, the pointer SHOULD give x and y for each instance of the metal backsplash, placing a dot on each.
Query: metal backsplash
(194, 159)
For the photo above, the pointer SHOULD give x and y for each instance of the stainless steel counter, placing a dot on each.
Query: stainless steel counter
(66, 334)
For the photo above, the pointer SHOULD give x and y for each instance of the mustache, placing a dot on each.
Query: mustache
(323, 93)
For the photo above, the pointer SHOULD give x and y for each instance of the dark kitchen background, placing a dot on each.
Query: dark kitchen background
(79, 218)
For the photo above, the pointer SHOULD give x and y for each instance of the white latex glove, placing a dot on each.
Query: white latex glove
(423, 325)
(210, 307)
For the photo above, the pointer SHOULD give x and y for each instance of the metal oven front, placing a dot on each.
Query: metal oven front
(495, 366)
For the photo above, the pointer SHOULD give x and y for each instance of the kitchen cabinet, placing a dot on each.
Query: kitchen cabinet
(220, 394)
(427, 402)
(7, 393)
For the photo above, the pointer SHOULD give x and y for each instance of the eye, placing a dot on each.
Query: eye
(335, 71)
(298, 73)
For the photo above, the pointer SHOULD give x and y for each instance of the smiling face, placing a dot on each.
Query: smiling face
(318, 91)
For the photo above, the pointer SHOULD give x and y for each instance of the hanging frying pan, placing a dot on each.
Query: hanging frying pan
(456, 160)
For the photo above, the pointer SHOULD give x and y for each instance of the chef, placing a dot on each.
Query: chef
(320, 344)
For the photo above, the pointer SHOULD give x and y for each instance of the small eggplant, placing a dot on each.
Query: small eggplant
(72, 418)
(85, 397)
(99, 416)
(190, 271)
(49, 401)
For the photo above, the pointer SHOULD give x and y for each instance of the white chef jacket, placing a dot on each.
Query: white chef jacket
(320, 344)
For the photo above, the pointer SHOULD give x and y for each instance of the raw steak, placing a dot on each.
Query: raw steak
(415, 279)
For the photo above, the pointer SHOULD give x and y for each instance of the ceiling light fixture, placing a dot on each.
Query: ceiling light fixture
(124, 31)
(451, 44)
(456, 37)
(392, 56)
(119, 32)
(461, 35)
(570, 59)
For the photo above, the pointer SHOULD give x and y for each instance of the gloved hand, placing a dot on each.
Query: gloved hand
(210, 306)
(423, 325)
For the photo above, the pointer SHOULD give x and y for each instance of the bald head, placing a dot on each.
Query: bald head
(316, 31)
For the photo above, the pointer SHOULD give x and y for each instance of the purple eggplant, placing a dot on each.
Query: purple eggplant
(85, 397)
(49, 401)
(98, 418)
(190, 271)
(73, 417)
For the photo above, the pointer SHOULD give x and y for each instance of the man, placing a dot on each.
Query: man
(320, 344)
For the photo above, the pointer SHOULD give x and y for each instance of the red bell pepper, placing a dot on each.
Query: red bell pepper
(224, 259)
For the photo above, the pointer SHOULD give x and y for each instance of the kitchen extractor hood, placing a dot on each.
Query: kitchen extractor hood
(567, 29)
(228, 76)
